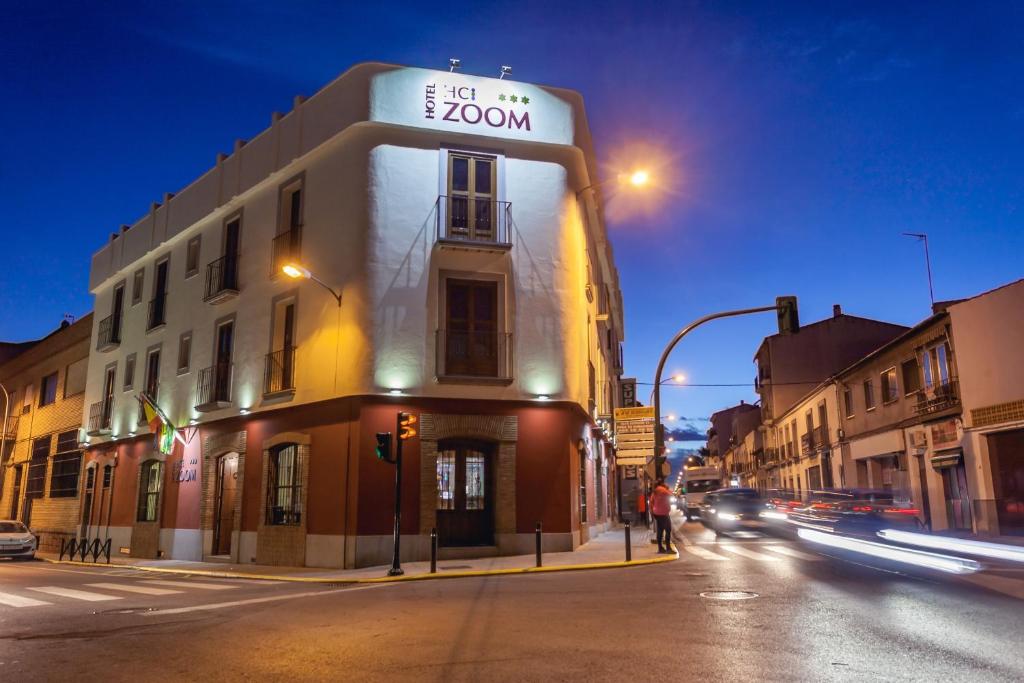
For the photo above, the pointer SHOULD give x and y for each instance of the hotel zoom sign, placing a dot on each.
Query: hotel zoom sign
(459, 104)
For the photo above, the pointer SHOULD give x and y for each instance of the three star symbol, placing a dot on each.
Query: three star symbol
(513, 98)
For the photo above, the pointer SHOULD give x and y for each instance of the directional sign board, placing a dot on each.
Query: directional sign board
(634, 435)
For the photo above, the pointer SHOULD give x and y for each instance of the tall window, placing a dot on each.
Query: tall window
(287, 242)
(108, 395)
(158, 305)
(137, 283)
(67, 464)
(471, 195)
(470, 339)
(192, 256)
(129, 372)
(184, 352)
(935, 364)
(583, 487)
(890, 389)
(150, 485)
(37, 467)
(911, 376)
(869, 395)
(48, 390)
(848, 401)
(284, 499)
(446, 480)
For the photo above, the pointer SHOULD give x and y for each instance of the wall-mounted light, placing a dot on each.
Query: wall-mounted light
(505, 71)
(453, 64)
(193, 421)
(244, 411)
(543, 397)
(395, 392)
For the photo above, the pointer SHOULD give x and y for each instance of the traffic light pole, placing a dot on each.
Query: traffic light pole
(783, 306)
(396, 562)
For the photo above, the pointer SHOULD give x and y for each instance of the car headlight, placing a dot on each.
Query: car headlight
(728, 516)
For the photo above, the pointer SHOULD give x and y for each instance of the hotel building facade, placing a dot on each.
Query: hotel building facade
(460, 271)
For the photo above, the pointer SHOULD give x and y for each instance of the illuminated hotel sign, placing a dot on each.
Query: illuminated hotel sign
(470, 104)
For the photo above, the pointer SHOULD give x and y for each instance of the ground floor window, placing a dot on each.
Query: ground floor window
(67, 464)
(583, 487)
(284, 504)
(150, 485)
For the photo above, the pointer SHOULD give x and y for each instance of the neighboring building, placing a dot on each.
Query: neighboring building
(42, 459)
(457, 220)
(790, 365)
(988, 334)
(805, 438)
(899, 407)
(728, 427)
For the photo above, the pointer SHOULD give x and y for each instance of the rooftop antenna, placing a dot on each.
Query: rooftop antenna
(453, 64)
(922, 237)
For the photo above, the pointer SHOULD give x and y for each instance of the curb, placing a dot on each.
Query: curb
(383, 579)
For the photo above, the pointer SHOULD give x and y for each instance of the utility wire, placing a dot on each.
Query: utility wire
(740, 384)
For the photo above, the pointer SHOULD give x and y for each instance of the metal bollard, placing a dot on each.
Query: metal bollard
(629, 546)
(539, 532)
(433, 550)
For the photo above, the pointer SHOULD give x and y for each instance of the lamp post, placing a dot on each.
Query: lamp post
(295, 271)
(3, 434)
(638, 178)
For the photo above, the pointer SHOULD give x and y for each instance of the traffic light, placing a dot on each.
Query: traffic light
(789, 318)
(405, 426)
(383, 449)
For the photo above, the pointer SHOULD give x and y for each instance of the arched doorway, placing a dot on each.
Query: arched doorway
(224, 508)
(465, 493)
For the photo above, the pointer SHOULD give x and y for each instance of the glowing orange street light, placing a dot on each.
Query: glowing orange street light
(639, 178)
(295, 271)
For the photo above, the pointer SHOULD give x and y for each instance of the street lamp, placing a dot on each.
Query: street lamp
(295, 271)
(638, 178)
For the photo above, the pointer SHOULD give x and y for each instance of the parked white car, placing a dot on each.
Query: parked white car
(16, 541)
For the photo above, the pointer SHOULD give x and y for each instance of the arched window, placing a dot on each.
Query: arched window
(150, 484)
(284, 486)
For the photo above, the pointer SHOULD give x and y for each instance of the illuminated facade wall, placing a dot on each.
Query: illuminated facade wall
(371, 154)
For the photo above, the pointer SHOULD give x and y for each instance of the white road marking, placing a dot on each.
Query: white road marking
(784, 550)
(254, 601)
(133, 588)
(76, 594)
(18, 601)
(703, 554)
(747, 553)
(191, 584)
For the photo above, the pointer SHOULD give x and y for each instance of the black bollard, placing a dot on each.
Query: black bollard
(629, 546)
(538, 544)
(433, 550)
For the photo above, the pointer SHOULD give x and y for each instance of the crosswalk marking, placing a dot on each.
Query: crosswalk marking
(703, 554)
(747, 553)
(18, 601)
(191, 584)
(784, 550)
(133, 588)
(76, 594)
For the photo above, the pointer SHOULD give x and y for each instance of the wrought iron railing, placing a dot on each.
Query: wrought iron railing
(473, 220)
(213, 386)
(940, 397)
(279, 371)
(12, 426)
(99, 417)
(285, 249)
(222, 277)
(157, 312)
(109, 334)
(474, 354)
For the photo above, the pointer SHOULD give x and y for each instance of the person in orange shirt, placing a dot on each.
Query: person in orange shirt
(661, 506)
(641, 506)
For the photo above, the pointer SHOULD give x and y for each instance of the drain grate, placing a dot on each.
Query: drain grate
(728, 595)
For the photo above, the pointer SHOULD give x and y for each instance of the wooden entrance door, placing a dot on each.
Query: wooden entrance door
(465, 494)
(471, 344)
(224, 514)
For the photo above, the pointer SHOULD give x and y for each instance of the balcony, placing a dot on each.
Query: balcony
(285, 249)
(222, 279)
(821, 438)
(11, 432)
(157, 312)
(475, 224)
(938, 398)
(109, 336)
(99, 418)
(213, 387)
(473, 357)
(279, 373)
(807, 444)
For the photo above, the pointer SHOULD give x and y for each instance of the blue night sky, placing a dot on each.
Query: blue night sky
(792, 144)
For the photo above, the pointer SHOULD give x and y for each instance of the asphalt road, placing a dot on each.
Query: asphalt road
(813, 616)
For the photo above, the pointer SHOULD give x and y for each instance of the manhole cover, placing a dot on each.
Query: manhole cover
(728, 595)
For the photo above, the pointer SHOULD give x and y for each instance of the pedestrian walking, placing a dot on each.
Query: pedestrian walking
(641, 507)
(661, 506)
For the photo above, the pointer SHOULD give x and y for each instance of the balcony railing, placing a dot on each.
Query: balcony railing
(472, 221)
(279, 372)
(109, 335)
(806, 444)
(12, 426)
(222, 278)
(213, 387)
(938, 398)
(821, 439)
(157, 312)
(474, 355)
(285, 249)
(99, 418)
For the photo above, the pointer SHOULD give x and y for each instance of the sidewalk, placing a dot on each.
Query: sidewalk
(606, 551)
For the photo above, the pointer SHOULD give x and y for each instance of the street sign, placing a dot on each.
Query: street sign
(634, 435)
(628, 385)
